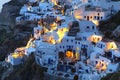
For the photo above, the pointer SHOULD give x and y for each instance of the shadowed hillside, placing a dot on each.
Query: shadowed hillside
(28, 71)
(108, 26)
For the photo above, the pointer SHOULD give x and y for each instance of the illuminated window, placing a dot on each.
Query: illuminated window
(69, 54)
(61, 40)
(98, 39)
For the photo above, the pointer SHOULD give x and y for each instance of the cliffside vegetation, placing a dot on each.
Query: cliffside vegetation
(28, 71)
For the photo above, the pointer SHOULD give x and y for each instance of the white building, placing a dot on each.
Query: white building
(15, 61)
(92, 13)
(25, 8)
(68, 42)
(17, 57)
(87, 26)
(45, 54)
(72, 47)
(37, 32)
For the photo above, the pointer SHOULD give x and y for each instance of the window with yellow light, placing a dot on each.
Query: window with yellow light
(69, 54)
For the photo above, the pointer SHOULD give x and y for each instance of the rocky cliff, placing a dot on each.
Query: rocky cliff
(12, 35)
(109, 27)
(10, 11)
(116, 32)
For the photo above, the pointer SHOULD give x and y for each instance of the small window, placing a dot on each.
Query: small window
(110, 70)
(43, 52)
(76, 42)
(84, 16)
(93, 27)
(91, 17)
(96, 62)
(98, 18)
(100, 45)
(69, 47)
(82, 46)
(60, 46)
(98, 14)
(71, 40)
(38, 51)
(63, 47)
(101, 17)
(67, 40)
(95, 17)
(87, 27)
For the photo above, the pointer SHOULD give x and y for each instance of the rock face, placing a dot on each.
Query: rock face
(116, 32)
(12, 35)
(10, 11)
(109, 27)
